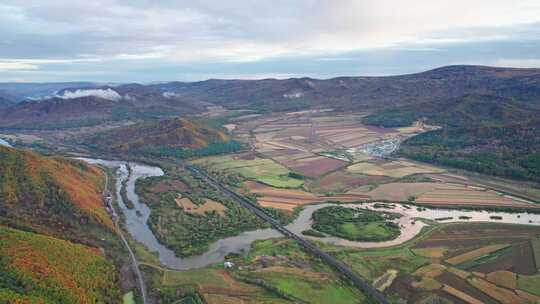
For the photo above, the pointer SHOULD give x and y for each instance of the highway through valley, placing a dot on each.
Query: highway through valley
(309, 247)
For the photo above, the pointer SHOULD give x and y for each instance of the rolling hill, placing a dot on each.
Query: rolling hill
(170, 137)
(483, 133)
(52, 195)
(163, 100)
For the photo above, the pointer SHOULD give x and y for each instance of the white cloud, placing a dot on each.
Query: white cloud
(170, 95)
(105, 94)
(9, 65)
(38, 34)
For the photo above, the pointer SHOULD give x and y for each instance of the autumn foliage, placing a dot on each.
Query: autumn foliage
(42, 269)
(49, 193)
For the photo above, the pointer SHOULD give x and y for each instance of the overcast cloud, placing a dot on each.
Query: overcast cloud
(145, 40)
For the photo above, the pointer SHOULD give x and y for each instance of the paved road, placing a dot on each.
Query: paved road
(339, 266)
(108, 201)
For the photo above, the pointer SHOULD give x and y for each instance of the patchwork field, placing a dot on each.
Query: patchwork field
(455, 194)
(262, 170)
(288, 199)
(298, 140)
(455, 263)
(274, 271)
(395, 169)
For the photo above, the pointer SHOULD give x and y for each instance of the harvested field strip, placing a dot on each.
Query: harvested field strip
(458, 272)
(535, 243)
(430, 270)
(462, 258)
(457, 283)
(461, 295)
(281, 206)
(430, 252)
(505, 279)
(427, 283)
(523, 257)
(288, 201)
(500, 294)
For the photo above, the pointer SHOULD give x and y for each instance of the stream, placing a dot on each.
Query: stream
(410, 227)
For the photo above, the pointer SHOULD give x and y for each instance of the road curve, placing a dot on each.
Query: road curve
(339, 266)
(107, 198)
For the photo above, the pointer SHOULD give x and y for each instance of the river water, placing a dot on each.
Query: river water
(410, 226)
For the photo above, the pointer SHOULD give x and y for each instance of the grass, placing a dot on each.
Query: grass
(128, 298)
(372, 264)
(311, 291)
(375, 231)
(265, 171)
(535, 243)
(205, 276)
(529, 283)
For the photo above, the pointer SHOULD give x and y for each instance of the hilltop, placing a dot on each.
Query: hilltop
(176, 136)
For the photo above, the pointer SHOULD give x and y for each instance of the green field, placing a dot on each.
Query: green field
(316, 291)
(261, 170)
(530, 283)
(128, 298)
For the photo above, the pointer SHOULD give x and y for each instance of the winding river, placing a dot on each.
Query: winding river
(410, 227)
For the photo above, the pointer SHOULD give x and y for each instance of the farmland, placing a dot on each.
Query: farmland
(274, 271)
(471, 263)
(288, 199)
(324, 151)
(265, 171)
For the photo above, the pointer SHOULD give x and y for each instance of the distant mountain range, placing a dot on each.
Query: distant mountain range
(91, 104)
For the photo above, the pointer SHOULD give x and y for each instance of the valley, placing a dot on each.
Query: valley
(318, 186)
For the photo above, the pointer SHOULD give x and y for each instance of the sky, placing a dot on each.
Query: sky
(165, 40)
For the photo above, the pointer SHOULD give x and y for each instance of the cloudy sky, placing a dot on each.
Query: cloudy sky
(157, 40)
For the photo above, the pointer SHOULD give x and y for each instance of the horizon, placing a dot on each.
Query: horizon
(116, 41)
(112, 84)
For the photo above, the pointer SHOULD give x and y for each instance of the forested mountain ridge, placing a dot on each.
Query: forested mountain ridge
(55, 234)
(163, 100)
(52, 195)
(178, 136)
(483, 133)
